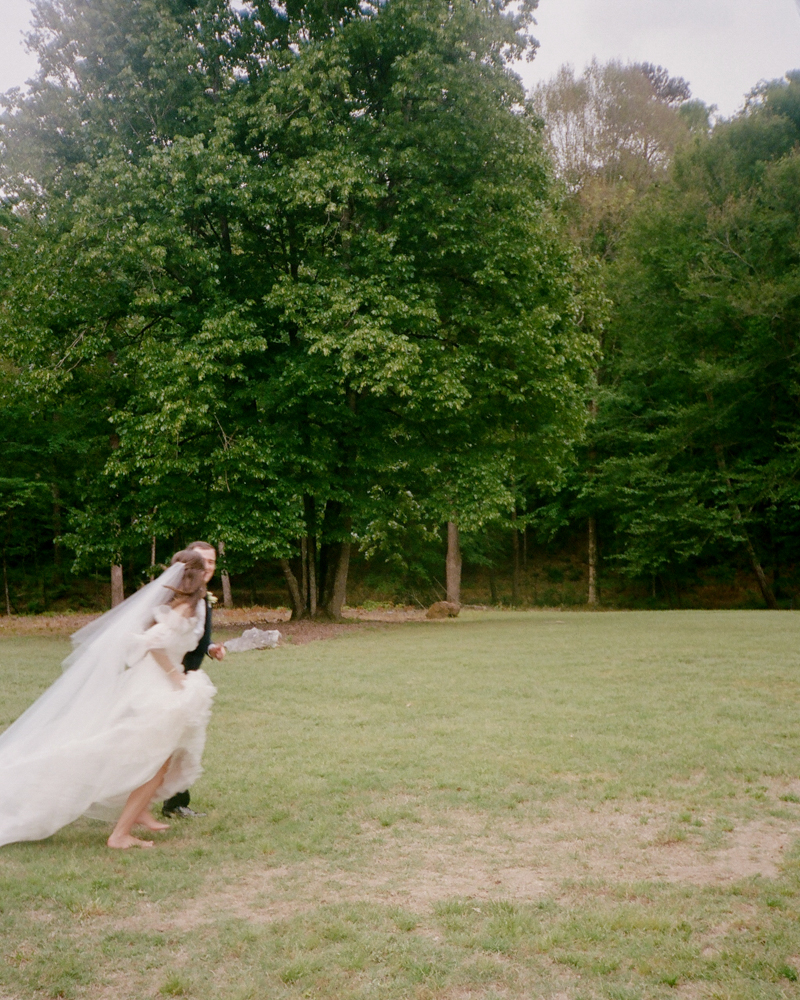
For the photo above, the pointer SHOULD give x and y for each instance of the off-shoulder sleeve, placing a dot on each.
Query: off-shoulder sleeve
(167, 624)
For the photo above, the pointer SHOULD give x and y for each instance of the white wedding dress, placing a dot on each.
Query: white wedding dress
(106, 726)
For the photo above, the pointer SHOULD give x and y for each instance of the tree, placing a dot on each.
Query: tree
(15, 494)
(612, 131)
(702, 414)
(324, 280)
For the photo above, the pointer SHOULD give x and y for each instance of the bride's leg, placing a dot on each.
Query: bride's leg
(138, 800)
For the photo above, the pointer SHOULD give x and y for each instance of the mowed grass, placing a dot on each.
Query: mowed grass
(514, 805)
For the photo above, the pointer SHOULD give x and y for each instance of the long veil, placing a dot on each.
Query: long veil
(83, 696)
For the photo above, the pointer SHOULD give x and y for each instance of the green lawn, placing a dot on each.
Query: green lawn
(514, 805)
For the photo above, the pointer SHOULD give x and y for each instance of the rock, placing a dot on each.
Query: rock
(443, 609)
(254, 638)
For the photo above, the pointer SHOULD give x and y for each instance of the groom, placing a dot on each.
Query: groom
(178, 805)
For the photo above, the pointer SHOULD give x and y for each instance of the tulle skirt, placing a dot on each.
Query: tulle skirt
(93, 773)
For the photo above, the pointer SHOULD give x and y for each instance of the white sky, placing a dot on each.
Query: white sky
(722, 47)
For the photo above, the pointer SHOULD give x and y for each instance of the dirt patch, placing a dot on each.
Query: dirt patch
(52, 626)
(755, 849)
(409, 613)
(227, 621)
(475, 857)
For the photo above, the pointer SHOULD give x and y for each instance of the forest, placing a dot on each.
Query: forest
(322, 284)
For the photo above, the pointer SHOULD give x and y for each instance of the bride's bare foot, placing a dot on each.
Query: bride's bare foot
(146, 818)
(123, 841)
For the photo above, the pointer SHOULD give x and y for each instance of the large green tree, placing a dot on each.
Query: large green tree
(320, 292)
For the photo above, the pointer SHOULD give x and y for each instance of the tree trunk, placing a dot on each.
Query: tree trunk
(453, 564)
(298, 606)
(777, 585)
(763, 583)
(152, 557)
(337, 565)
(5, 585)
(493, 585)
(56, 529)
(304, 604)
(311, 549)
(117, 587)
(592, 599)
(339, 591)
(515, 588)
(592, 525)
(327, 561)
(326, 570)
(227, 597)
(303, 574)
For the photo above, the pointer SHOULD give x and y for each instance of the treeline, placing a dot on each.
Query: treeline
(319, 281)
(689, 471)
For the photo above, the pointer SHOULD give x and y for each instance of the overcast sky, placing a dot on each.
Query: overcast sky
(722, 47)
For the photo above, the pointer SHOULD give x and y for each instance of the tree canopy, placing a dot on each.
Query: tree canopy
(301, 278)
(702, 405)
(286, 278)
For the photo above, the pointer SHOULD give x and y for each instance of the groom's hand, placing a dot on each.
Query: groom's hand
(216, 651)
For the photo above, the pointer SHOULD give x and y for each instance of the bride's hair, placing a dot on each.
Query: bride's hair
(192, 587)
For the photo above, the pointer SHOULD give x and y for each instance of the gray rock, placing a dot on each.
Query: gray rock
(443, 609)
(254, 638)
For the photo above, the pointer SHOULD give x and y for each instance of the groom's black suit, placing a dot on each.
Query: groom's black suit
(192, 661)
(194, 658)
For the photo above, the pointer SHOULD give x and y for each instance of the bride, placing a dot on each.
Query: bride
(122, 727)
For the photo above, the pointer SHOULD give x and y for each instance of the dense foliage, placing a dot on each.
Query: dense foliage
(692, 462)
(282, 278)
(302, 277)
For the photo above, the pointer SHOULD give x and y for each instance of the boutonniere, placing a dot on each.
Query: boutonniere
(211, 599)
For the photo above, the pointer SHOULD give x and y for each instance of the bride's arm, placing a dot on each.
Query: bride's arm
(174, 673)
(155, 641)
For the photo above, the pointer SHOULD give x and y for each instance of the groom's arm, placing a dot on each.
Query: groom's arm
(215, 649)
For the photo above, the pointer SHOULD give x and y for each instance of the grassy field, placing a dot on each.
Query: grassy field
(514, 805)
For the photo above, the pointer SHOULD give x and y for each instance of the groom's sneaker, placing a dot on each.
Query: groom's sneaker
(184, 812)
